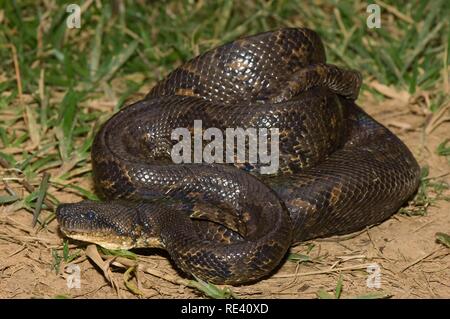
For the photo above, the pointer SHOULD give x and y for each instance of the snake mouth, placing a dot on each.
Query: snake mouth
(105, 240)
(112, 227)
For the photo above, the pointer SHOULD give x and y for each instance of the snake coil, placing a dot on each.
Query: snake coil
(339, 169)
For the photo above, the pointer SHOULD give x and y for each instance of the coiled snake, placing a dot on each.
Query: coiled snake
(339, 170)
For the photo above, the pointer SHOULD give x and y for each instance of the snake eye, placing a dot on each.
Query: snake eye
(90, 215)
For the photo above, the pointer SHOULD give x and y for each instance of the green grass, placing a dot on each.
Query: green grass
(210, 290)
(337, 293)
(57, 85)
(443, 239)
(66, 257)
(443, 149)
(429, 192)
(119, 253)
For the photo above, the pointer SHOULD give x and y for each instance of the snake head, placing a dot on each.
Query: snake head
(112, 225)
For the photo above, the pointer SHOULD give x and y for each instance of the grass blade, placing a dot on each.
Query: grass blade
(211, 290)
(443, 149)
(67, 123)
(443, 239)
(322, 294)
(95, 54)
(127, 277)
(32, 125)
(338, 290)
(298, 258)
(41, 196)
(118, 252)
(6, 199)
(117, 61)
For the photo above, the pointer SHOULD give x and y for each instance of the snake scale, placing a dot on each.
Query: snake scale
(339, 169)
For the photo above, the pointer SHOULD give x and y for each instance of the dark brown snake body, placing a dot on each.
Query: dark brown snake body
(339, 169)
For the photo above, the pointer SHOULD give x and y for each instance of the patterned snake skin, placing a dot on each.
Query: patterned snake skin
(339, 170)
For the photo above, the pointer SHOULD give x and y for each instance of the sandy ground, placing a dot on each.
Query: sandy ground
(408, 261)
